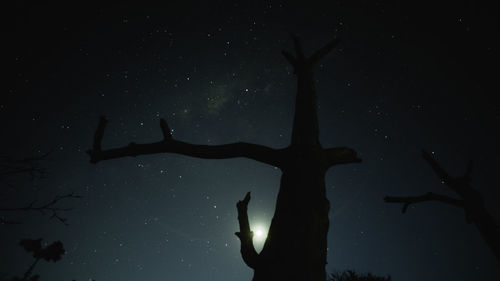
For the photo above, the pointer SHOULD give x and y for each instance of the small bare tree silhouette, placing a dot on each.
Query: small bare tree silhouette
(470, 200)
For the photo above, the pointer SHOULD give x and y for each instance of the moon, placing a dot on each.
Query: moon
(259, 233)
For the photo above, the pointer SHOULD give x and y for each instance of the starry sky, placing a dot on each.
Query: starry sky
(404, 77)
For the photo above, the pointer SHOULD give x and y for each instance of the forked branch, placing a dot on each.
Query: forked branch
(458, 184)
(440, 172)
(319, 54)
(301, 61)
(169, 145)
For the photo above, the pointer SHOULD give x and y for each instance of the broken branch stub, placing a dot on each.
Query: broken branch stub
(248, 253)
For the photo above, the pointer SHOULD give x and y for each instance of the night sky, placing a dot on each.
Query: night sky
(405, 77)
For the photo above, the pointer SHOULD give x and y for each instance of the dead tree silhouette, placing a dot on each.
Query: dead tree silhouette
(297, 237)
(470, 200)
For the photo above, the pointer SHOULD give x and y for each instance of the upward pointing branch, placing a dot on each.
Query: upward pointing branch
(305, 130)
(298, 48)
(440, 172)
(319, 54)
(250, 256)
(167, 133)
(99, 133)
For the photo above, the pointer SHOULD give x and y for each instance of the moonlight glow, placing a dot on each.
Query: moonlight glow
(259, 233)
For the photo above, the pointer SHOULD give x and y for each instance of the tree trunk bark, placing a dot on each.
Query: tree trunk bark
(470, 200)
(295, 248)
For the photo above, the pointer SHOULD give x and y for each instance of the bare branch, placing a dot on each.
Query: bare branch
(458, 184)
(299, 61)
(290, 58)
(319, 54)
(422, 198)
(299, 51)
(470, 200)
(167, 133)
(440, 172)
(30, 166)
(43, 208)
(99, 133)
(340, 155)
(168, 145)
(248, 253)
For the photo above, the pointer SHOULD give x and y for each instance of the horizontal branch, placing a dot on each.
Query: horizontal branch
(168, 145)
(248, 253)
(422, 198)
(339, 155)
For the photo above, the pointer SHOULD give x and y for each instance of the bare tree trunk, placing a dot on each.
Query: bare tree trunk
(295, 248)
(470, 200)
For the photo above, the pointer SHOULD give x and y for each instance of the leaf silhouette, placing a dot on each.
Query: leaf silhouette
(53, 252)
(32, 245)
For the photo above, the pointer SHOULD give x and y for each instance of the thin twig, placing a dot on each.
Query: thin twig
(47, 207)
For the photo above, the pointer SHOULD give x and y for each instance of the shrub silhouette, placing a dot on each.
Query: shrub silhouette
(351, 275)
(52, 252)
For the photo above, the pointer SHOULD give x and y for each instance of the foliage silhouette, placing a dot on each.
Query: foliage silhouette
(351, 275)
(52, 252)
